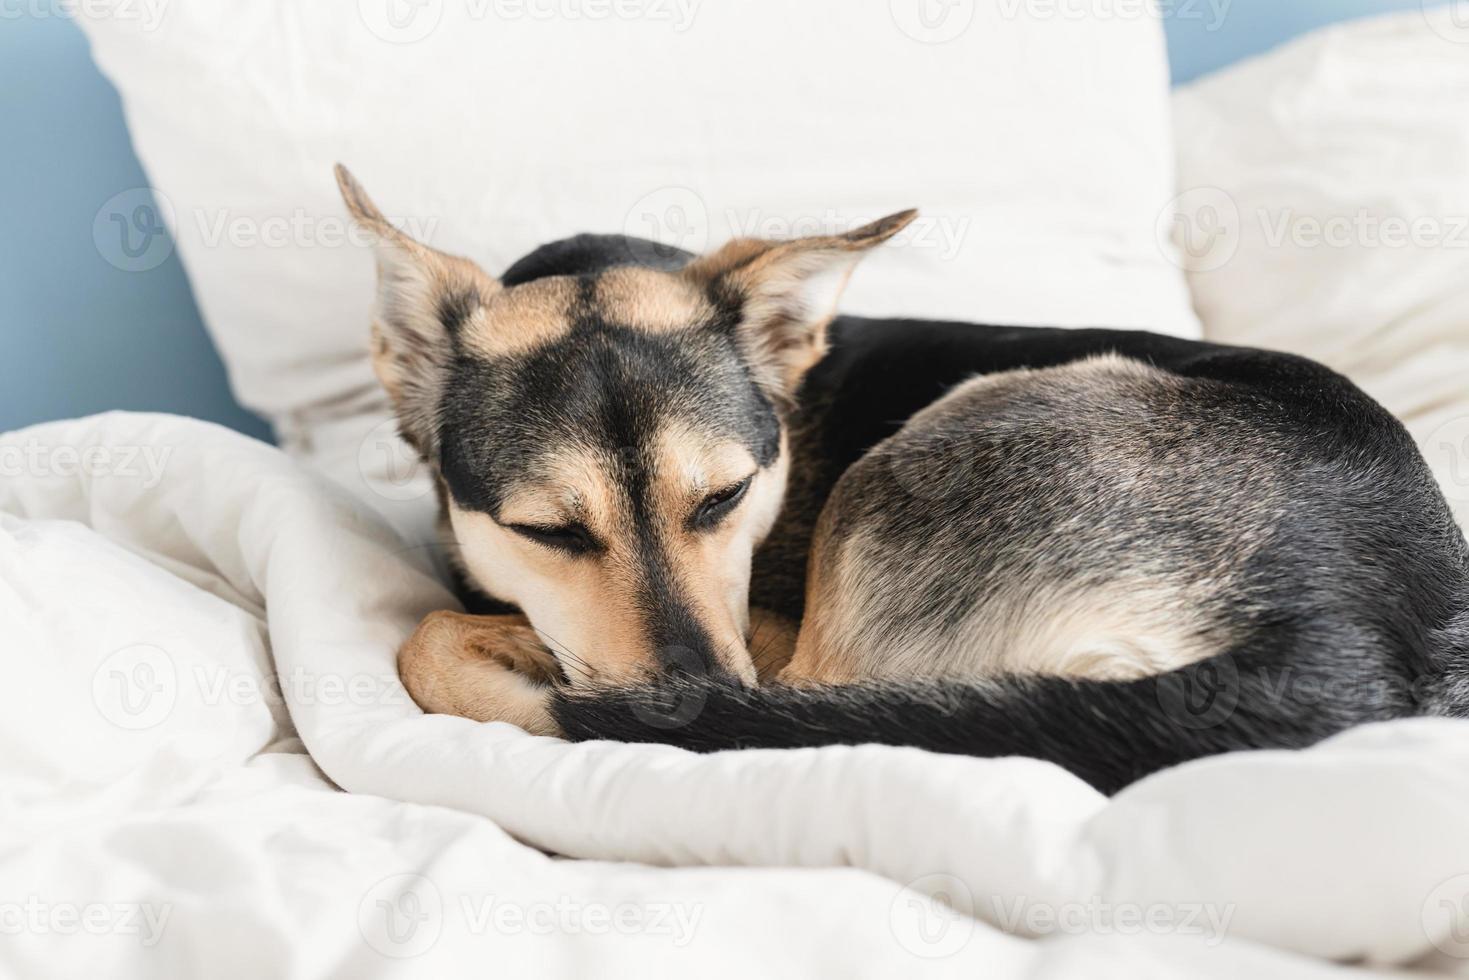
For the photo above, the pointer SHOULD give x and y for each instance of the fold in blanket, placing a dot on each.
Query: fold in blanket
(181, 633)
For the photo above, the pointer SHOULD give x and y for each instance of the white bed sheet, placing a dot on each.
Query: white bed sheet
(209, 768)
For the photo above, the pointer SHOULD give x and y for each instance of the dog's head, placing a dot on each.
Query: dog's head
(610, 444)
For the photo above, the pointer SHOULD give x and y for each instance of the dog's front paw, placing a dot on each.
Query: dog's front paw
(488, 668)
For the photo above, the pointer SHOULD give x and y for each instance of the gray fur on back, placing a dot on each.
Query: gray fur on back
(1096, 519)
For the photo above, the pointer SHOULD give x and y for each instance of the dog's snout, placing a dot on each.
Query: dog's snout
(686, 650)
(691, 658)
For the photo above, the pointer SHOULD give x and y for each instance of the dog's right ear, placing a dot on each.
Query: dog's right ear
(786, 293)
(425, 299)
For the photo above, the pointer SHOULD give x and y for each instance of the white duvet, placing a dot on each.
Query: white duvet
(209, 769)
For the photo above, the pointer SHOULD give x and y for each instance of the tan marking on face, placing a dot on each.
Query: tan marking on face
(589, 608)
(712, 566)
(522, 318)
(579, 606)
(691, 466)
(646, 299)
(583, 606)
(572, 485)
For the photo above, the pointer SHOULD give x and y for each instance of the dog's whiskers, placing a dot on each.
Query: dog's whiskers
(577, 663)
(765, 656)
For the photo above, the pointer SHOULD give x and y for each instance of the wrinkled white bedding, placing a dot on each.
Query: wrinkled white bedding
(198, 654)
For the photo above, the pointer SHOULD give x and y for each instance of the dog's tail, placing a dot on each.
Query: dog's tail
(1109, 733)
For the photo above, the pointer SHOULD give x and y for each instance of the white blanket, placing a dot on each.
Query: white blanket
(198, 645)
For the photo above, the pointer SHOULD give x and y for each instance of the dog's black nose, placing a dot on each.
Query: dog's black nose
(687, 661)
(684, 648)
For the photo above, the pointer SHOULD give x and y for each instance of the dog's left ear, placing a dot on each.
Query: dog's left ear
(424, 298)
(787, 293)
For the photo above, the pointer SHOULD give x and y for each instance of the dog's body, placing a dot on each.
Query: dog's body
(1112, 550)
(1113, 564)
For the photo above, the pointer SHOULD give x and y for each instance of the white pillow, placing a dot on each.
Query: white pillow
(1037, 145)
(1327, 203)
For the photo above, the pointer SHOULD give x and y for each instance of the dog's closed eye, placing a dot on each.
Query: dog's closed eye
(572, 539)
(715, 507)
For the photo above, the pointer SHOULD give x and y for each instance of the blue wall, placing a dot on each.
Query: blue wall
(79, 333)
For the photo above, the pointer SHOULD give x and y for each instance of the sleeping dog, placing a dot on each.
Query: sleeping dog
(1112, 550)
